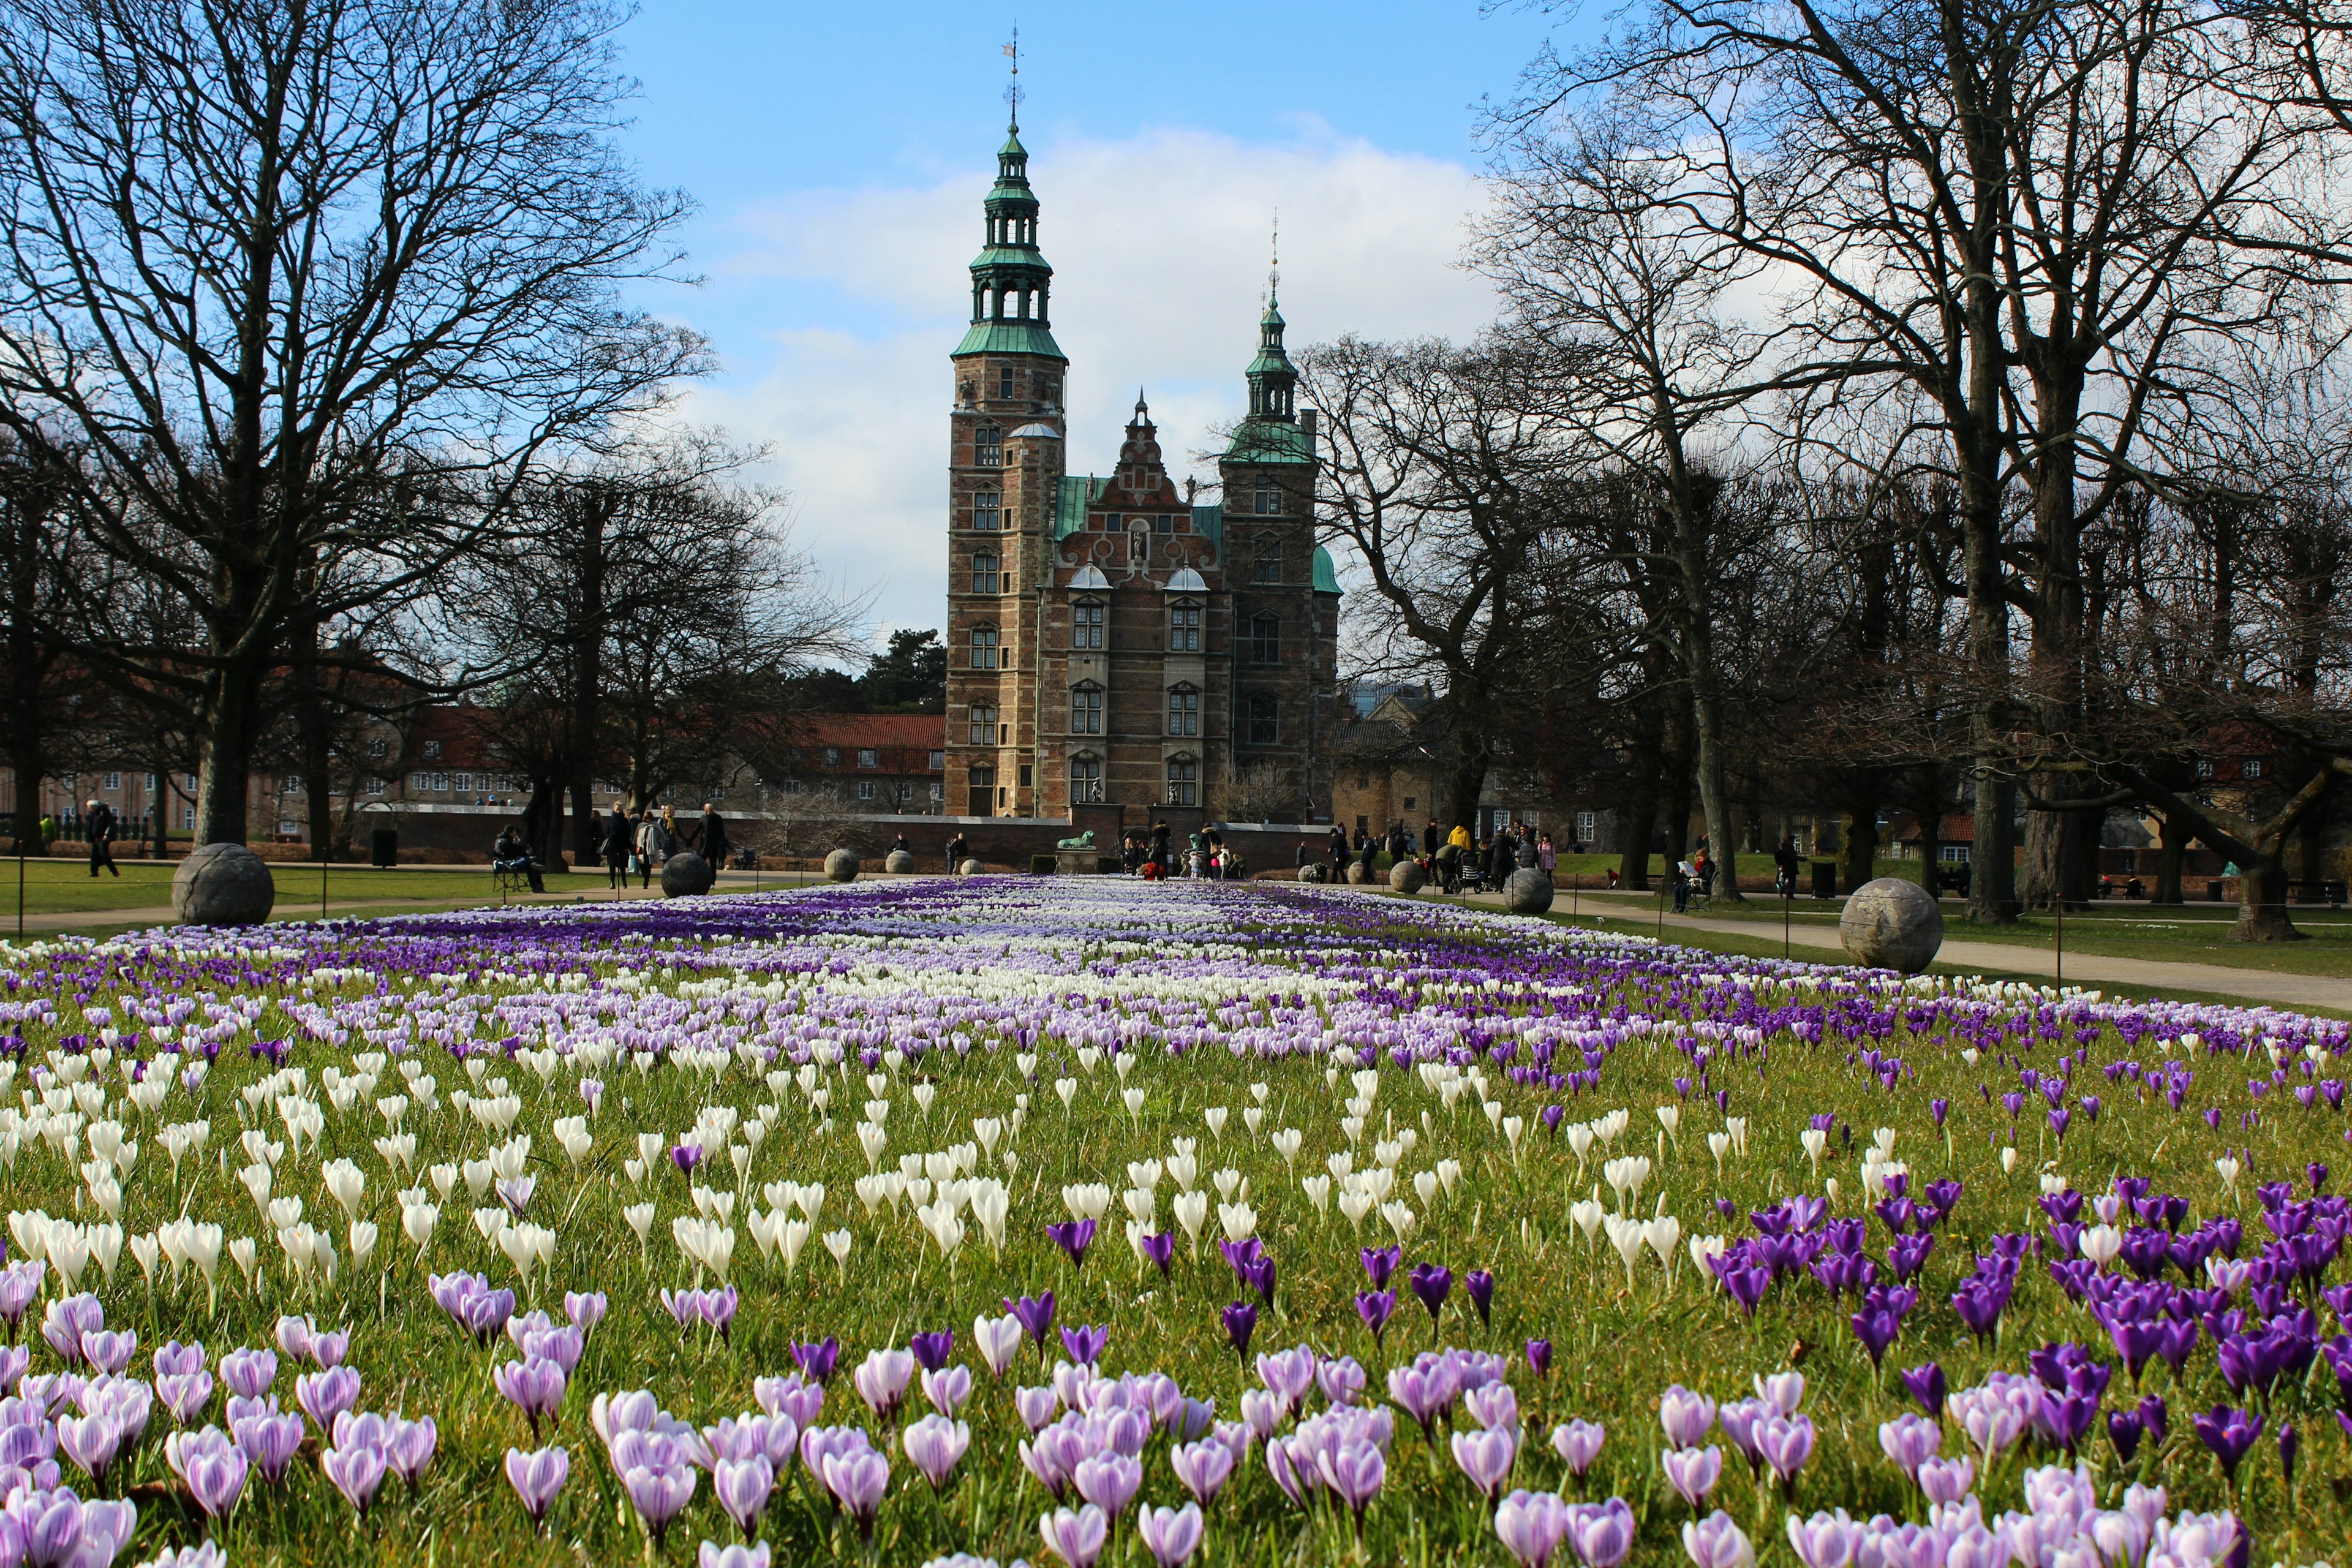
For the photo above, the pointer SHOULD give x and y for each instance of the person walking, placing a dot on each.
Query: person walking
(1501, 860)
(713, 840)
(653, 843)
(957, 851)
(614, 846)
(98, 818)
(1784, 861)
(1546, 856)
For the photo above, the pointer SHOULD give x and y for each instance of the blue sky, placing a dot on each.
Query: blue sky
(839, 155)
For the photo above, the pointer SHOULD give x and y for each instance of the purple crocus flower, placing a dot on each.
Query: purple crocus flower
(1926, 1386)
(1579, 1444)
(1085, 1342)
(1480, 1284)
(1375, 1306)
(1160, 1248)
(817, 1361)
(2229, 1434)
(1381, 1262)
(1241, 1321)
(1073, 1237)
(1035, 1314)
(1433, 1282)
(686, 1156)
(1539, 1357)
(536, 1478)
(931, 1350)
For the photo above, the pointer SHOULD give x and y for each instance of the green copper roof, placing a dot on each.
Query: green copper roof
(1070, 503)
(1269, 441)
(1210, 523)
(1027, 257)
(1271, 362)
(1327, 575)
(1009, 337)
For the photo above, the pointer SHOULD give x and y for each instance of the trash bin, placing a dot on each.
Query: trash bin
(1825, 879)
(384, 849)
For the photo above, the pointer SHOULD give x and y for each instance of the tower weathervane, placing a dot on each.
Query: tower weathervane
(1012, 91)
(1273, 272)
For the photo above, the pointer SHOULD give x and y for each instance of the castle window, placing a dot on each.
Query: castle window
(1005, 377)
(988, 446)
(1263, 726)
(987, 510)
(1184, 629)
(1086, 781)
(1184, 782)
(1268, 568)
(1086, 617)
(981, 799)
(983, 725)
(1265, 639)
(1269, 500)
(1163, 525)
(1183, 711)
(983, 647)
(1086, 710)
(983, 573)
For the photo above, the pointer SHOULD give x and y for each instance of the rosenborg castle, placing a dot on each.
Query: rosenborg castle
(1111, 643)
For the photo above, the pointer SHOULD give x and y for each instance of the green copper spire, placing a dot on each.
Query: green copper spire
(1271, 433)
(1010, 280)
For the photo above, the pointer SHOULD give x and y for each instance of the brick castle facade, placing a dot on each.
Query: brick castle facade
(1113, 642)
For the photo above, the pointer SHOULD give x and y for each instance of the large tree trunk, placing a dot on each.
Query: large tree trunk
(225, 767)
(2262, 902)
(1857, 838)
(30, 766)
(542, 821)
(1638, 806)
(2171, 847)
(1474, 755)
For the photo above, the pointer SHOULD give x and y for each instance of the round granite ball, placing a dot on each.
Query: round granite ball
(1892, 923)
(973, 868)
(900, 862)
(684, 874)
(1311, 872)
(1528, 892)
(842, 866)
(1358, 874)
(223, 885)
(1407, 876)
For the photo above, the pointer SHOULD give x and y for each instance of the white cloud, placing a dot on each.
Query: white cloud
(1158, 245)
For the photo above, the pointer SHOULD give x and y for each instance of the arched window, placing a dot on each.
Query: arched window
(988, 446)
(1088, 619)
(1264, 726)
(1086, 780)
(1184, 782)
(983, 647)
(983, 572)
(987, 510)
(983, 723)
(1184, 628)
(1087, 710)
(1184, 710)
(1265, 639)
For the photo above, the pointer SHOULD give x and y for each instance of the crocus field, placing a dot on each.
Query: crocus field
(1090, 1221)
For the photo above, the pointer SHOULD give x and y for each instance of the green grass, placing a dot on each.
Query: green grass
(1618, 1343)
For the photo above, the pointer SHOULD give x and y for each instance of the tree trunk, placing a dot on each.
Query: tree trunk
(1993, 863)
(1857, 840)
(27, 761)
(1927, 805)
(2171, 847)
(225, 767)
(1474, 755)
(1639, 808)
(542, 821)
(2262, 902)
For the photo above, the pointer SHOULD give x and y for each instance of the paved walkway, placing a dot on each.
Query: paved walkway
(2299, 991)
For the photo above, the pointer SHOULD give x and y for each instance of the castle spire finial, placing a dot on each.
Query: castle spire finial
(1273, 272)
(1012, 90)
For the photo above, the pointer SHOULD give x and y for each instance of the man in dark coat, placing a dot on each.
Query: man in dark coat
(620, 839)
(98, 821)
(1501, 860)
(957, 852)
(712, 842)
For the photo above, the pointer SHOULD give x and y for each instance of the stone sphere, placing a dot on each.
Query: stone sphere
(1892, 923)
(1407, 876)
(686, 874)
(973, 868)
(1528, 892)
(1311, 872)
(900, 862)
(1358, 874)
(842, 866)
(223, 885)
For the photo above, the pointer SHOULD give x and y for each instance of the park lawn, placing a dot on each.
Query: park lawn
(63, 887)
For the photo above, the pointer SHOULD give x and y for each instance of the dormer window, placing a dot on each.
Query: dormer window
(1184, 628)
(1088, 619)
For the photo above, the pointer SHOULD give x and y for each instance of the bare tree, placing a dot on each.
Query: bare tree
(285, 269)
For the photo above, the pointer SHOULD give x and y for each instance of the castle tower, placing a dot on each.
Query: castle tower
(1004, 461)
